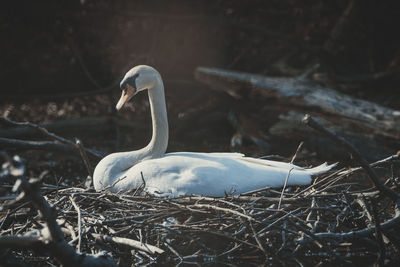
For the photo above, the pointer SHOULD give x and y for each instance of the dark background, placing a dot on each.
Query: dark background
(64, 59)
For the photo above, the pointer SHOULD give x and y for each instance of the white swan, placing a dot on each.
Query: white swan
(176, 174)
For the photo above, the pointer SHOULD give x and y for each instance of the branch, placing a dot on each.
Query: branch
(357, 155)
(348, 236)
(130, 242)
(51, 236)
(53, 136)
(84, 156)
(37, 145)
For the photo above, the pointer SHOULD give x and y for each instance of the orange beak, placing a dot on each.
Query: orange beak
(127, 94)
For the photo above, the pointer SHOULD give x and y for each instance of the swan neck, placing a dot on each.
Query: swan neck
(159, 140)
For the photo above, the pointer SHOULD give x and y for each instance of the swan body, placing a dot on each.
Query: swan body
(175, 174)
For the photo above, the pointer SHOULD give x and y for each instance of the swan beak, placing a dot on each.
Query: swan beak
(127, 94)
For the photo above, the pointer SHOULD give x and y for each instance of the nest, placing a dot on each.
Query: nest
(336, 219)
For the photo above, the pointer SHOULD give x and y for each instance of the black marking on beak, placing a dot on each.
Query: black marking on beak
(129, 80)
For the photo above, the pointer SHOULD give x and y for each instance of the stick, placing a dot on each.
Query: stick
(225, 210)
(175, 252)
(297, 152)
(42, 130)
(303, 94)
(352, 235)
(340, 140)
(84, 156)
(79, 223)
(287, 177)
(130, 242)
(36, 145)
(378, 234)
(52, 236)
(45, 132)
(283, 189)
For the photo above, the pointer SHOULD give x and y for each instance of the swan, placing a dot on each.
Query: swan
(182, 173)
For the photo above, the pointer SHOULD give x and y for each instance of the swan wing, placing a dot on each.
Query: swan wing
(263, 162)
(324, 167)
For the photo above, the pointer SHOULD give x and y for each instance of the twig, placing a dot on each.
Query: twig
(79, 223)
(126, 219)
(283, 189)
(37, 145)
(197, 222)
(371, 173)
(363, 205)
(113, 184)
(352, 235)
(130, 242)
(224, 235)
(45, 132)
(311, 216)
(53, 237)
(255, 191)
(224, 209)
(376, 163)
(256, 237)
(140, 188)
(378, 234)
(84, 156)
(269, 226)
(312, 236)
(297, 152)
(174, 251)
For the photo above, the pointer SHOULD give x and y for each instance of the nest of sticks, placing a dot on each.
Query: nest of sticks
(333, 219)
(338, 218)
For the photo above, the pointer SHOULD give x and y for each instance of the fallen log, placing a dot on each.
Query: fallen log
(306, 94)
(368, 125)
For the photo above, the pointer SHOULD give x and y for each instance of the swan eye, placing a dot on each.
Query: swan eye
(129, 81)
(132, 81)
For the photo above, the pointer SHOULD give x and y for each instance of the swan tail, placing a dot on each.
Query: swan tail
(321, 168)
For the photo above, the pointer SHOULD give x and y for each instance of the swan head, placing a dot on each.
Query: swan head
(137, 79)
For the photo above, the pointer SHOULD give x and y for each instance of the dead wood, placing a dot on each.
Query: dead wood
(200, 229)
(152, 250)
(322, 221)
(84, 156)
(289, 126)
(51, 236)
(374, 126)
(47, 133)
(304, 93)
(14, 144)
(357, 155)
(90, 124)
